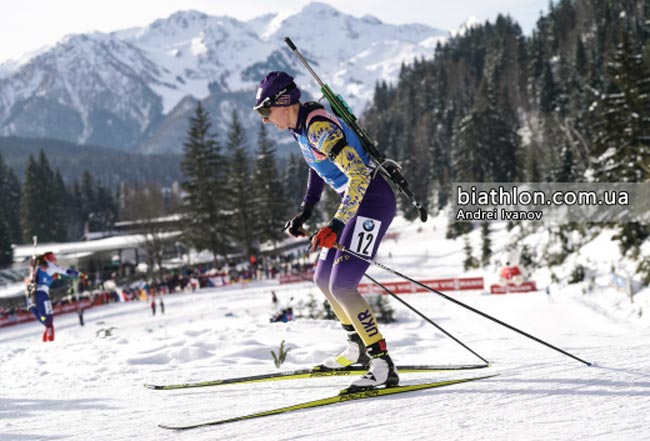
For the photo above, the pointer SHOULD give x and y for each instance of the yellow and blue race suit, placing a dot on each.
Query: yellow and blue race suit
(336, 157)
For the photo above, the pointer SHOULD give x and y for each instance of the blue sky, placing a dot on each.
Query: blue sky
(27, 25)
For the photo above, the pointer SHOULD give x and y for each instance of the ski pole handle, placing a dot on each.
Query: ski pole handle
(301, 229)
(290, 43)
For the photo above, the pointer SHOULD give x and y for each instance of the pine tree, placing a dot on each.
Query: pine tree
(62, 219)
(270, 205)
(469, 150)
(548, 90)
(534, 173)
(50, 197)
(414, 154)
(106, 207)
(582, 62)
(621, 151)
(94, 204)
(205, 223)
(86, 200)
(242, 193)
(505, 143)
(10, 193)
(486, 144)
(40, 212)
(470, 261)
(486, 247)
(6, 250)
(75, 222)
(566, 172)
(526, 258)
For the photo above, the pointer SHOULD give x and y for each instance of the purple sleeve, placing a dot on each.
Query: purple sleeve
(315, 186)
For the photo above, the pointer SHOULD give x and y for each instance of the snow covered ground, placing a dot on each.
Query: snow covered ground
(88, 386)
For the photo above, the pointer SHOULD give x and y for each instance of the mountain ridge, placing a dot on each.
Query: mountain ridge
(122, 88)
(110, 166)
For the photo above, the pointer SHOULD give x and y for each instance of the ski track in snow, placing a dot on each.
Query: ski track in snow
(86, 387)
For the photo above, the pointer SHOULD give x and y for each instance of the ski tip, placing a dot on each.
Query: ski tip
(485, 377)
(176, 428)
(151, 386)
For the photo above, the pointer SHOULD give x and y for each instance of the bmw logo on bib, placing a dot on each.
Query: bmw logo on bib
(365, 235)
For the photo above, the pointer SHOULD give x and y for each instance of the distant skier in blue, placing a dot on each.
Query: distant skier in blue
(336, 157)
(43, 271)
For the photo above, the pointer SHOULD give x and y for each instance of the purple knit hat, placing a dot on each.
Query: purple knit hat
(279, 88)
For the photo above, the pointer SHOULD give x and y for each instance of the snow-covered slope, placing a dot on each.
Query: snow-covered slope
(123, 89)
(87, 387)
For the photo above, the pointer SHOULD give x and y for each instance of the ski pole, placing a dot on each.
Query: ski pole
(451, 299)
(403, 302)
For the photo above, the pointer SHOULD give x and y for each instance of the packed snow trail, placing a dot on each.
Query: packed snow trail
(86, 385)
(82, 383)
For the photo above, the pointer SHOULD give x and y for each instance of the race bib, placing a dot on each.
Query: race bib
(366, 231)
(48, 307)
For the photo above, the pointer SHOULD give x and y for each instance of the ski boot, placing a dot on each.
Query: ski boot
(354, 353)
(48, 334)
(382, 371)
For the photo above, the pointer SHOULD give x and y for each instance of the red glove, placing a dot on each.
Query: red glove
(327, 236)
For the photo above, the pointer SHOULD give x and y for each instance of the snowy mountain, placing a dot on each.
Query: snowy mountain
(135, 88)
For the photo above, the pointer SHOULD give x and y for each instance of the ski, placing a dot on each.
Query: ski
(343, 397)
(309, 373)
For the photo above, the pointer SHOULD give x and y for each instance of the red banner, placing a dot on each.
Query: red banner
(294, 278)
(456, 284)
(24, 316)
(513, 288)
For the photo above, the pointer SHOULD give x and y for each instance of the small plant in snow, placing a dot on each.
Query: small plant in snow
(282, 355)
(578, 274)
(105, 332)
(386, 312)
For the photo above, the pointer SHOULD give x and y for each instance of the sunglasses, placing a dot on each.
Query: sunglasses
(264, 108)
